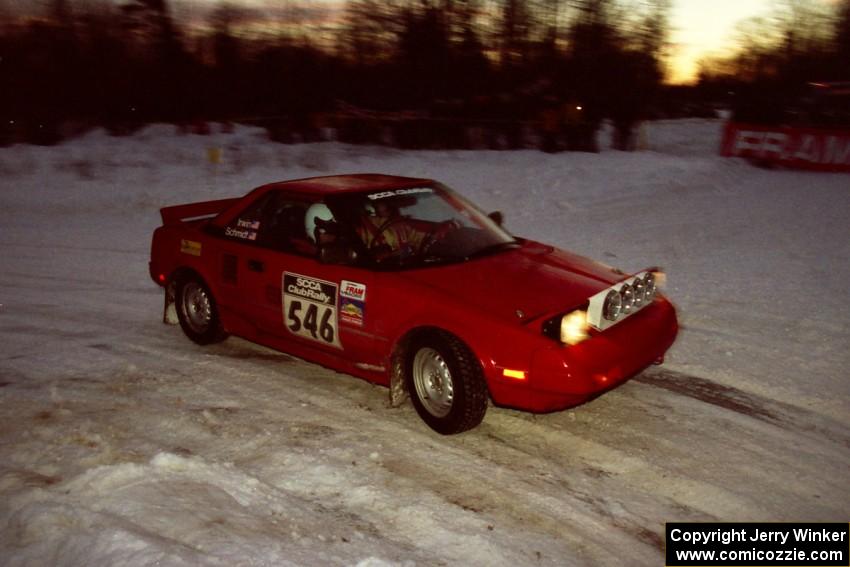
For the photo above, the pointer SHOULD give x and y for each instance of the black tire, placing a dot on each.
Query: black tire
(197, 311)
(445, 382)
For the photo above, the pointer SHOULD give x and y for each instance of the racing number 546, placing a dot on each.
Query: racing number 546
(319, 326)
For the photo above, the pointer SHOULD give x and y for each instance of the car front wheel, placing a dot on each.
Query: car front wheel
(197, 311)
(446, 383)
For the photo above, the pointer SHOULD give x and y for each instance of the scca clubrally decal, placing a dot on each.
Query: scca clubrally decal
(310, 308)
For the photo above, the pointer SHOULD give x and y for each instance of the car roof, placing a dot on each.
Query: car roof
(351, 183)
(319, 187)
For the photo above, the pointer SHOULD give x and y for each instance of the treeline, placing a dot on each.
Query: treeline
(486, 60)
(377, 70)
(779, 56)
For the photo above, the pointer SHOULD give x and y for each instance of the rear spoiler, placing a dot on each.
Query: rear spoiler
(193, 211)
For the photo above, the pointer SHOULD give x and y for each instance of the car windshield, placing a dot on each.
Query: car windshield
(416, 226)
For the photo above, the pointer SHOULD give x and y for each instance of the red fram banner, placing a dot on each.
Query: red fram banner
(799, 148)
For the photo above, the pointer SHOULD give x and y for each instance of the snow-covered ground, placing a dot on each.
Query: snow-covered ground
(121, 442)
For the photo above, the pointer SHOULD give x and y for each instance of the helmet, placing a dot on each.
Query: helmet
(317, 212)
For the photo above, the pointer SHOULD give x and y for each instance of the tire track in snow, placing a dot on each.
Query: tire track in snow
(758, 407)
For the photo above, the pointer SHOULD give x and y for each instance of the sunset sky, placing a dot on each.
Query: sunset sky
(699, 27)
(704, 27)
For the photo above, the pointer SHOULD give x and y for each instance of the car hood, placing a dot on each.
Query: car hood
(524, 283)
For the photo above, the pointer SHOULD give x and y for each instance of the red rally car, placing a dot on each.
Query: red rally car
(405, 283)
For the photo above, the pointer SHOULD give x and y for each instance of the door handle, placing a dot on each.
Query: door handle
(255, 265)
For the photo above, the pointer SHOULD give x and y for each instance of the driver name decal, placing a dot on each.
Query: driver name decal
(310, 308)
(245, 229)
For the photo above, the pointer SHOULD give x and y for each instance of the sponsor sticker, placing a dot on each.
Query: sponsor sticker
(310, 308)
(351, 311)
(352, 303)
(191, 247)
(353, 290)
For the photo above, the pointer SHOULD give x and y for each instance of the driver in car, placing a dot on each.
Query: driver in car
(386, 232)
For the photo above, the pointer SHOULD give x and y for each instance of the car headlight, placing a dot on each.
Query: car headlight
(623, 299)
(574, 327)
(639, 290)
(649, 285)
(613, 305)
(628, 298)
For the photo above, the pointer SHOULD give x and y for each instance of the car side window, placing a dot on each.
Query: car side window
(275, 221)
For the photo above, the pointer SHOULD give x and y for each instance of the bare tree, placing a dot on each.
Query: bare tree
(842, 39)
(372, 30)
(515, 29)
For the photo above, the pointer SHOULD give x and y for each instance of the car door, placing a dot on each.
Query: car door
(283, 290)
(324, 306)
(244, 249)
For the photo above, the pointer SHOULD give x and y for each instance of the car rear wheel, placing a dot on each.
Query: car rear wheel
(446, 383)
(197, 311)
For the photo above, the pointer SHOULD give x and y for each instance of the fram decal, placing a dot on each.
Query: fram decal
(352, 303)
(353, 290)
(190, 247)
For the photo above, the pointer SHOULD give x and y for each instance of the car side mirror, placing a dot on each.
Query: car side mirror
(497, 217)
(337, 253)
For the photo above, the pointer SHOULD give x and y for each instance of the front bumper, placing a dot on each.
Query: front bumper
(565, 376)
